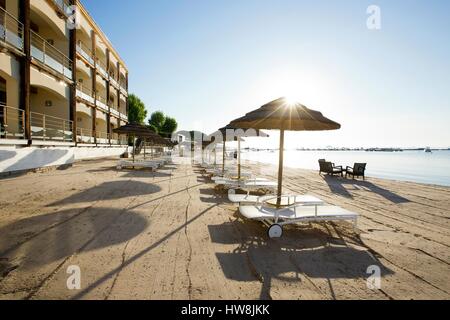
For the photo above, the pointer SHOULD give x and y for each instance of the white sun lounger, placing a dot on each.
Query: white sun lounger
(137, 164)
(249, 184)
(277, 218)
(159, 162)
(216, 171)
(292, 199)
(231, 175)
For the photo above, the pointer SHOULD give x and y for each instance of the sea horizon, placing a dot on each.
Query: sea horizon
(409, 166)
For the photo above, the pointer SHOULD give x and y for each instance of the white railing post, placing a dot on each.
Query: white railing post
(5, 120)
(44, 49)
(43, 127)
(5, 33)
(63, 130)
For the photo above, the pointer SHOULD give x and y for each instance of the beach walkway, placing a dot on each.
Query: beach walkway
(169, 235)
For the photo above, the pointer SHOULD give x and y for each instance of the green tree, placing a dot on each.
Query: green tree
(170, 126)
(152, 127)
(157, 120)
(136, 110)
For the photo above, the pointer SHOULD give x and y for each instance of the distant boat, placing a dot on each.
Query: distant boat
(428, 150)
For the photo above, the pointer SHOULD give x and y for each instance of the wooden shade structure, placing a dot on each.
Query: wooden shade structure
(241, 132)
(284, 116)
(138, 130)
(193, 139)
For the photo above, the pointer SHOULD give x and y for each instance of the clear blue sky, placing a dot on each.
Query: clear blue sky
(208, 62)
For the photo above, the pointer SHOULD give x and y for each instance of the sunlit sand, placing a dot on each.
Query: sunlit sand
(170, 235)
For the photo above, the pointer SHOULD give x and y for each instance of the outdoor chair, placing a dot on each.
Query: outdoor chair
(358, 170)
(330, 168)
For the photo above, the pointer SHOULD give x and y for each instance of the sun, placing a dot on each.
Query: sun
(292, 98)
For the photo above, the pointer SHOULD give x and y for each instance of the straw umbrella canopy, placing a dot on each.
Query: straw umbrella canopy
(224, 132)
(284, 116)
(193, 139)
(157, 141)
(137, 130)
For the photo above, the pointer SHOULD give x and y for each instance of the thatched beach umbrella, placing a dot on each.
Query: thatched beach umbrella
(237, 134)
(137, 130)
(284, 116)
(193, 138)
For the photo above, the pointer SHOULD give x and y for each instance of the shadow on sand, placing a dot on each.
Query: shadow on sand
(209, 195)
(338, 186)
(140, 254)
(47, 238)
(110, 191)
(311, 252)
(146, 174)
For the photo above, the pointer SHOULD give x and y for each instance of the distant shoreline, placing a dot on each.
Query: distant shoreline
(260, 165)
(349, 149)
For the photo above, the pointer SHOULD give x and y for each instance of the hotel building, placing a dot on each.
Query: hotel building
(59, 86)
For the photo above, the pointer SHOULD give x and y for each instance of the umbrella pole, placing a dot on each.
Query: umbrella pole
(239, 158)
(215, 155)
(223, 160)
(134, 147)
(280, 168)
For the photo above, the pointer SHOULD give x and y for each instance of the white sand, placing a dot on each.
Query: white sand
(169, 235)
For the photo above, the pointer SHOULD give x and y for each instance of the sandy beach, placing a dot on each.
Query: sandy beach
(170, 235)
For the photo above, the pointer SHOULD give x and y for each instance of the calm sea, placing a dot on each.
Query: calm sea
(414, 166)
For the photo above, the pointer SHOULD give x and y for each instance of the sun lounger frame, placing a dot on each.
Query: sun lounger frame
(278, 221)
(137, 164)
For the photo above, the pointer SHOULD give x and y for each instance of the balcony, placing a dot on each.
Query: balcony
(12, 123)
(11, 31)
(119, 139)
(102, 137)
(85, 136)
(115, 112)
(101, 68)
(114, 82)
(62, 6)
(85, 94)
(48, 55)
(123, 87)
(101, 103)
(45, 127)
(84, 51)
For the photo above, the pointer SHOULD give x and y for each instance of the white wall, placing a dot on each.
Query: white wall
(22, 158)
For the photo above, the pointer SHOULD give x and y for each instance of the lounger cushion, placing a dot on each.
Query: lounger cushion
(307, 213)
(137, 164)
(303, 200)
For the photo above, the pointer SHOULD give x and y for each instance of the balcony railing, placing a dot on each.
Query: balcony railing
(118, 139)
(45, 127)
(101, 103)
(114, 82)
(62, 5)
(85, 135)
(12, 123)
(11, 30)
(101, 67)
(47, 54)
(115, 112)
(85, 93)
(102, 137)
(123, 116)
(85, 52)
